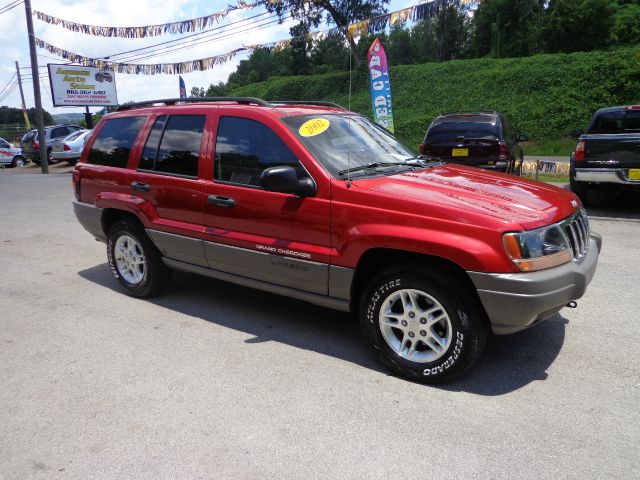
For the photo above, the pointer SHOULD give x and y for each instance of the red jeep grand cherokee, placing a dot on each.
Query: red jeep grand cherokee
(309, 200)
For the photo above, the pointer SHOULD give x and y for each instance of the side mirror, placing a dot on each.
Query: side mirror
(576, 133)
(522, 138)
(284, 179)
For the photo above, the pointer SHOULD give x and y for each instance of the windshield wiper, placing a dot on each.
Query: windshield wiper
(373, 165)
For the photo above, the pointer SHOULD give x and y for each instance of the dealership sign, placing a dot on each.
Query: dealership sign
(75, 85)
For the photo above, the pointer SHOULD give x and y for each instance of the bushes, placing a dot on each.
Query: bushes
(545, 96)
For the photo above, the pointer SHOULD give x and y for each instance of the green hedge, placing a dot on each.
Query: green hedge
(545, 96)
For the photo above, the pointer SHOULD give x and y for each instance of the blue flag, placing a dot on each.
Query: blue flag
(183, 89)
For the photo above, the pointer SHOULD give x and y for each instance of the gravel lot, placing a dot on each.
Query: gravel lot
(218, 381)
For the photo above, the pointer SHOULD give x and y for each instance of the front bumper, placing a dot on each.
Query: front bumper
(605, 175)
(515, 301)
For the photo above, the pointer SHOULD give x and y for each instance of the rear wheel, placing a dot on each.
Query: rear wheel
(18, 161)
(422, 325)
(135, 262)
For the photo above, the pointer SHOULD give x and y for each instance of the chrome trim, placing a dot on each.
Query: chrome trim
(576, 231)
(604, 175)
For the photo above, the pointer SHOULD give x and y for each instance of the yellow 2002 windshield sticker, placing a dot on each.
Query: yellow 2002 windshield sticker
(313, 127)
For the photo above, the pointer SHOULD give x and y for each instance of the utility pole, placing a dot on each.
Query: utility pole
(42, 139)
(24, 105)
(88, 119)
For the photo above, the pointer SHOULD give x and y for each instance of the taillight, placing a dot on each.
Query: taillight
(75, 179)
(66, 147)
(423, 149)
(503, 151)
(580, 148)
(36, 145)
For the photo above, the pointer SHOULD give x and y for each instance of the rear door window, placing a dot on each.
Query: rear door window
(114, 141)
(173, 146)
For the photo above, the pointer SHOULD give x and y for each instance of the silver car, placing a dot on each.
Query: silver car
(10, 155)
(70, 147)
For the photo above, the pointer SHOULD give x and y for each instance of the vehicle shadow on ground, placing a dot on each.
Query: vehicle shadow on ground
(508, 363)
(623, 204)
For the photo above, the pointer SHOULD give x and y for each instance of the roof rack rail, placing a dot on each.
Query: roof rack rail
(304, 102)
(173, 101)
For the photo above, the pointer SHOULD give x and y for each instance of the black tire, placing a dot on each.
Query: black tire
(581, 189)
(50, 159)
(155, 275)
(466, 327)
(18, 161)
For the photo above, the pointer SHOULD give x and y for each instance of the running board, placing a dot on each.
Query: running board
(314, 298)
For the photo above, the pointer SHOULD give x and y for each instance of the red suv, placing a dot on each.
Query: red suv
(312, 201)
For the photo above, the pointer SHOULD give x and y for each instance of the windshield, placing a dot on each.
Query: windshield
(341, 142)
(461, 128)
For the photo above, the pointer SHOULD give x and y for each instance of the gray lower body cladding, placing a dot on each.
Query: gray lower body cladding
(515, 301)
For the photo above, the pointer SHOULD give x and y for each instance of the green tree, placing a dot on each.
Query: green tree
(329, 54)
(338, 12)
(626, 25)
(507, 28)
(400, 50)
(578, 25)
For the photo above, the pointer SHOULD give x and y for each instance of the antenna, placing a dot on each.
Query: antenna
(349, 118)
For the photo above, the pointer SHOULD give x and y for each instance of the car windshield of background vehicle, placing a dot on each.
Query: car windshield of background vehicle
(452, 131)
(340, 142)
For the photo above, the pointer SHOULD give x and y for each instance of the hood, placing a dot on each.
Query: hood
(504, 197)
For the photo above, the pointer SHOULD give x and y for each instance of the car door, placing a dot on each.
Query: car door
(166, 177)
(273, 237)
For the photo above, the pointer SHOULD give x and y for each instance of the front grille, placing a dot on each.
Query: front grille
(576, 228)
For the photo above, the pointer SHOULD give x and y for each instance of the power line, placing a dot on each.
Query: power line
(178, 48)
(10, 80)
(10, 6)
(206, 32)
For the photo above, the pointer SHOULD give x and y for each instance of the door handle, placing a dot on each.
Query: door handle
(140, 187)
(221, 201)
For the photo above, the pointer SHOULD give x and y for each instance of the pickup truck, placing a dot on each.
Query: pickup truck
(608, 154)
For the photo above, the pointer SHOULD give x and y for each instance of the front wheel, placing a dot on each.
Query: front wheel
(423, 325)
(134, 260)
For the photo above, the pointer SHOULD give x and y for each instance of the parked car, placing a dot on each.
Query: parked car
(10, 155)
(483, 139)
(69, 148)
(607, 156)
(30, 143)
(429, 255)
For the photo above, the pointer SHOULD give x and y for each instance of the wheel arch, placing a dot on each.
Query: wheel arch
(377, 259)
(112, 215)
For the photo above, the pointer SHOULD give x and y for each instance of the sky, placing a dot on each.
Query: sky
(14, 44)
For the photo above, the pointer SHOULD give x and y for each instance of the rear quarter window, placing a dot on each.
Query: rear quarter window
(114, 141)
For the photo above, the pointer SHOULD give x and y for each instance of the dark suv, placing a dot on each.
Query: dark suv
(317, 203)
(484, 140)
(30, 143)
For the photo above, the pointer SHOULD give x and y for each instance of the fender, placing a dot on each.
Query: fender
(471, 253)
(140, 207)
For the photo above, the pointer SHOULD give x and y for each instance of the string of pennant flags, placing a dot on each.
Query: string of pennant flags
(370, 26)
(184, 26)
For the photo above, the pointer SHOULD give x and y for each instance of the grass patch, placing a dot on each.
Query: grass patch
(546, 177)
(548, 147)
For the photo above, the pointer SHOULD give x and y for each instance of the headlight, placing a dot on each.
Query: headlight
(538, 249)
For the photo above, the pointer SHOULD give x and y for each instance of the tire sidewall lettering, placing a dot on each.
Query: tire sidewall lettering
(377, 295)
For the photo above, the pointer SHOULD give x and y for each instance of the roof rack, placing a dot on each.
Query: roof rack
(173, 101)
(303, 102)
